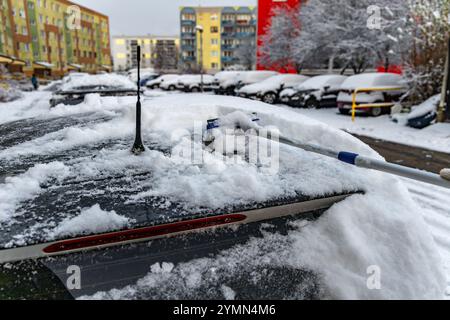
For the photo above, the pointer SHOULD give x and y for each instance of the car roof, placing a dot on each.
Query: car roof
(319, 82)
(373, 80)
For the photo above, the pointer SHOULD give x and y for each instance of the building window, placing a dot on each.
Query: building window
(214, 53)
(214, 29)
(214, 65)
(214, 41)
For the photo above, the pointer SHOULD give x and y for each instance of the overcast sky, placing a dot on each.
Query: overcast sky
(158, 17)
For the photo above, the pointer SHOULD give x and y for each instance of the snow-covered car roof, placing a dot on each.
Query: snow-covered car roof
(249, 77)
(109, 80)
(274, 83)
(69, 172)
(226, 75)
(161, 79)
(195, 79)
(373, 80)
(319, 82)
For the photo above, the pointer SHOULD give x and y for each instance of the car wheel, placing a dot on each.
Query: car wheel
(344, 111)
(195, 89)
(312, 103)
(172, 88)
(376, 112)
(269, 98)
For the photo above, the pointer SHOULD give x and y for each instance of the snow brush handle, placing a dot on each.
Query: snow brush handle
(415, 174)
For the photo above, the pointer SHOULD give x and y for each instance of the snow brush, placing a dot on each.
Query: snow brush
(442, 180)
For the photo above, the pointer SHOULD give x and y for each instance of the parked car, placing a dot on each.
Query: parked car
(424, 114)
(171, 83)
(76, 86)
(193, 83)
(220, 78)
(371, 80)
(244, 78)
(147, 78)
(269, 90)
(155, 83)
(317, 92)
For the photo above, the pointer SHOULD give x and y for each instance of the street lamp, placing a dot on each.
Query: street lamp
(200, 30)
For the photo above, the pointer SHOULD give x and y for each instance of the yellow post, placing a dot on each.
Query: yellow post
(371, 105)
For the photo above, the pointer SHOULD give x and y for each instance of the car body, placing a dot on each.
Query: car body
(155, 83)
(171, 83)
(269, 90)
(76, 86)
(424, 114)
(222, 77)
(148, 77)
(317, 92)
(244, 78)
(371, 80)
(193, 83)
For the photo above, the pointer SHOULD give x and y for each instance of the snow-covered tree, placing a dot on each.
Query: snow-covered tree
(430, 29)
(278, 43)
(245, 53)
(360, 33)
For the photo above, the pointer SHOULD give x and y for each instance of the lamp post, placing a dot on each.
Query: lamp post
(200, 30)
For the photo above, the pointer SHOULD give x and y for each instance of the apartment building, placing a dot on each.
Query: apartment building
(53, 37)
(224, 30)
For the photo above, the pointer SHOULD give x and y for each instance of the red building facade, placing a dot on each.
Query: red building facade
(265, 9)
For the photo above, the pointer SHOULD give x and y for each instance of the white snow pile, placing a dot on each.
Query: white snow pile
(107, 80)
(89, 221)
(383, 227)
(428, 106)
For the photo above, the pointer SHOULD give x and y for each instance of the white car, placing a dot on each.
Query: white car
(153, 84)
(388, 81)
(268, 90)
(172, 83)
(244, 78)
(317, 92)
(221, 78)
(195, 83)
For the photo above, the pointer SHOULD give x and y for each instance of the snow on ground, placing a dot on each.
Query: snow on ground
(435, 137)
(383, 227)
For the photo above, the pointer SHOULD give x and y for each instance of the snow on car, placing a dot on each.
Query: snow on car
(76, 86)
(73, 175)
(268, 90)
(244, 78)
(424, 114)
(375, 81)
(153, 84)
(193, 83)
(172, 83)
(319, 91)
(221, 77)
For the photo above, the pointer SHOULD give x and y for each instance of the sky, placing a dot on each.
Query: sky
(157, 17)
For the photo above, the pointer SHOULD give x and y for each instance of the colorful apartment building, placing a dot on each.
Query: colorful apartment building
(224, 30)
(53, 37)
(158, 52)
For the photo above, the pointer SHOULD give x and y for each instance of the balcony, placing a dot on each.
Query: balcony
(228, 47)
(227, 59)
(187, 47)
(188, 35)
(226, 23)
(188, 59)
(241, 35)
(228, 34)
(188, 22)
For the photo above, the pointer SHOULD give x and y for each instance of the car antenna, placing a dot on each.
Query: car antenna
(138, 146)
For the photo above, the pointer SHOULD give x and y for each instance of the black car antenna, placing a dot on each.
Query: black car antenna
(138, 146)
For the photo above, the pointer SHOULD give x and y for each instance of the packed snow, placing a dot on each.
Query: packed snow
(106, 80)
(428, 106)
(384, 227)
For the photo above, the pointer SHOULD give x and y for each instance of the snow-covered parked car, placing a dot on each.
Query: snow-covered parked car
(171, 84)
(317, 92)
(182, 221)
(269, 90)
(155, 83)
(75, 87)
(424, 114)
(229, 86)
(375, 81)
(9, 92)
(193, 83)
(220, 78)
